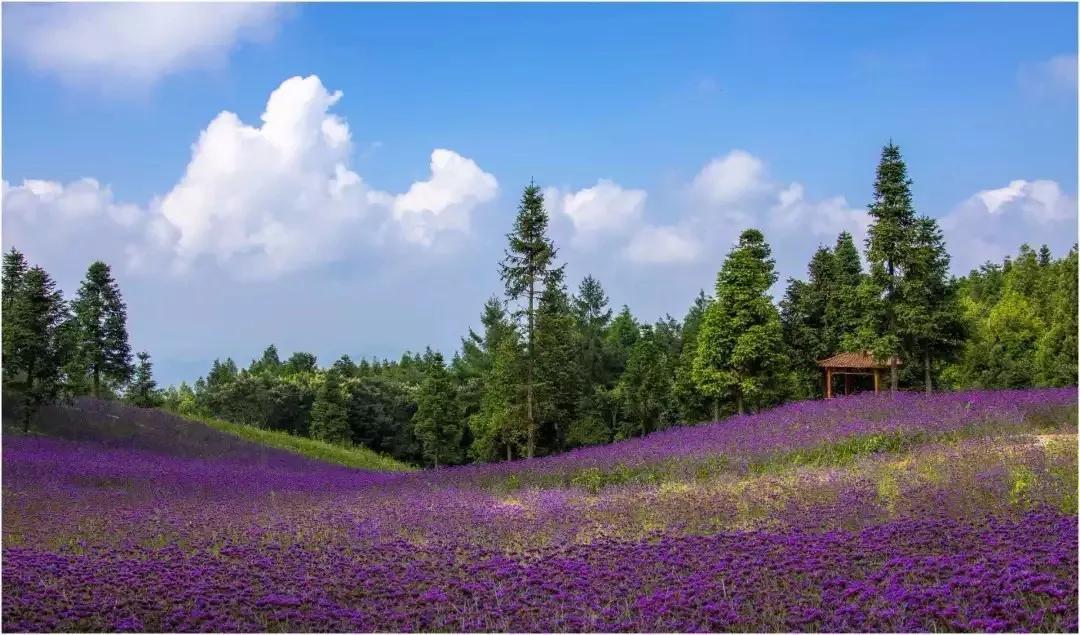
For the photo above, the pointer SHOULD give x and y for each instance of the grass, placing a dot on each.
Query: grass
(357, 457)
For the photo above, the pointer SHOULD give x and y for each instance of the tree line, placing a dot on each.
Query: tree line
(56, 348)
(552, 368)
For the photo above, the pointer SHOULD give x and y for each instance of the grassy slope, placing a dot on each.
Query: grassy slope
(354, 456)
(159, 430)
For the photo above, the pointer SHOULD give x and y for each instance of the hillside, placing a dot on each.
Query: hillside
(118, 425)
(946, 512)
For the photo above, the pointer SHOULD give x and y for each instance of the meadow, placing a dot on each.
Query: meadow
(954, 511)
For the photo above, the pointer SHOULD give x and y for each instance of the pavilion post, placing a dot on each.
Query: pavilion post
(847, 383)
(877, 381)
(828, 383)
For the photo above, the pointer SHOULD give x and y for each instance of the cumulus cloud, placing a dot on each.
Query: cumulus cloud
(444, 201)
(139, 43)
(1055, 76)
(793, 212)
(662, 246)
(730, 193)
(264, 200)
(605, 208)
(730, 178)
(989, 224)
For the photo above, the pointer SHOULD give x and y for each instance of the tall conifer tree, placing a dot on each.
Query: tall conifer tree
(740, 344)
(887, 246)
(101, 338)
(35, 319)
(529, 259)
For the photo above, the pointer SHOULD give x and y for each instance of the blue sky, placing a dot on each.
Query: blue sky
(658, 131)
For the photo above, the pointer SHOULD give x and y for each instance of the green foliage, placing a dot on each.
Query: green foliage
(819, 315)
(646, 386)
(329, 419)
(355, 457)
(437, 423)
(34, 320)
(498, 429)
(102, 352)
(557, 375)
(740, 344)
(143, 391)
(1021, 323)
(529, 260)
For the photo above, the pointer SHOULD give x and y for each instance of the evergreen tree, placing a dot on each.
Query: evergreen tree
(101, 337)
(268, 364)
(34, 360)
(300, 363)
(690, 403)
(345, 367)
(930, 319)
(221, 373)
(529, 260)
(887, 247)
(437, 422)
(14, 272)
(645, 386)
(1056, 356)
(557, 375)
(593, 316)
(143, 391)
(740, 343)
(499, 428)
(329, 418)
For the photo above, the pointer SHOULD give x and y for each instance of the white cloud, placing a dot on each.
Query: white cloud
(1050, 77)
(793, 213)
(662, 245)
(444, 201)
(132, 43)
(730, 178)
(605, 208)
(263, 200)
(990, 224)
(37, 201)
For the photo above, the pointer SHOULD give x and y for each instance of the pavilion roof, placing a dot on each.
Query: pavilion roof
(856, 360)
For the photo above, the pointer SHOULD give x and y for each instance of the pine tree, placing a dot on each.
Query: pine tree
(691, 404)
(498, 429)
(529, 259)
(887, 247)
(101, 337)
(34, 319)
(269, 364)
(557, 375)
(329, 418)
(143, 391)
(437, 422)
(740, 342)
(300, 363)
(930, 320)
(593, 316)
(1056, 357)
(645, 386)
(14, 273)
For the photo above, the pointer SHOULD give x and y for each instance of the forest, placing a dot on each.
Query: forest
(553, 368)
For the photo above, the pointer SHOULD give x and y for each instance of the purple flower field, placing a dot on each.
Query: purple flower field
(971, 524)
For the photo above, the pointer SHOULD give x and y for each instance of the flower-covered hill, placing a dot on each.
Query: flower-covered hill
(913, 513)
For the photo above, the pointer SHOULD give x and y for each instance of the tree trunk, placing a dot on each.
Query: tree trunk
(530, 443)
(509, 453)
(926, 368)
(27, 410)
(894, 375)
(97, 381)
(715, 409)
(738, 402)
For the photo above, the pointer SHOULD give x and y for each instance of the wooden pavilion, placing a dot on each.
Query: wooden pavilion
(848, 364)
